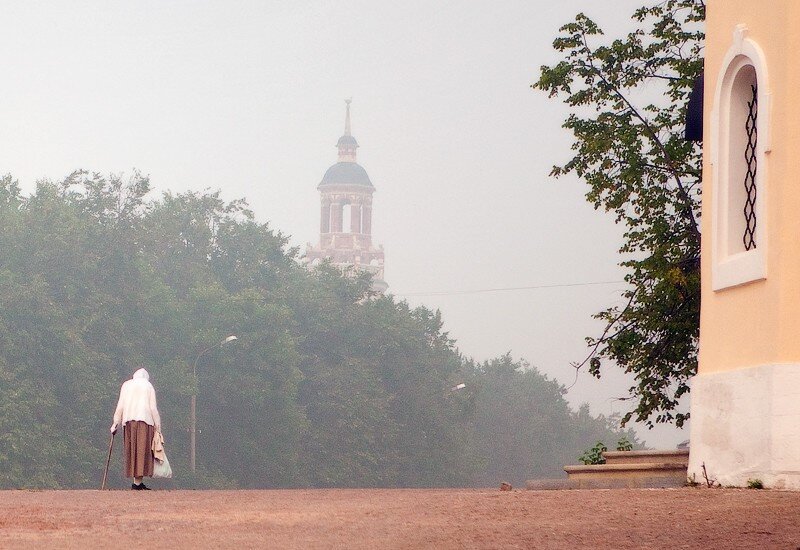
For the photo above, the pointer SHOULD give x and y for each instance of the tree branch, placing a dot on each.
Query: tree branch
(687, 210)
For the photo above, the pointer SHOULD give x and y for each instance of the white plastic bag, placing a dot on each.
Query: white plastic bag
(161, 468)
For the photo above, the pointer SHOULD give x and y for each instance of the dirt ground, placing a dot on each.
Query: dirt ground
(403, 518)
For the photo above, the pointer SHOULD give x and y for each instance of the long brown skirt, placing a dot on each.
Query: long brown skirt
(138, 449)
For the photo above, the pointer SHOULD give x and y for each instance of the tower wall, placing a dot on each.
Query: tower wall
(367, 218)
(325, 217)
(355, 218)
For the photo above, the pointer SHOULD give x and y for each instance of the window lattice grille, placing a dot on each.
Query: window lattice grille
(749, 237)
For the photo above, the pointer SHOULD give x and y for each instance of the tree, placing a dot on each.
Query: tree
(628, 100)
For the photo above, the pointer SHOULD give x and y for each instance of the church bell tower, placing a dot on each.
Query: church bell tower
(345, 234)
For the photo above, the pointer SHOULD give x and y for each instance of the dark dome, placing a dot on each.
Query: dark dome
(346, 173)
(346, 140)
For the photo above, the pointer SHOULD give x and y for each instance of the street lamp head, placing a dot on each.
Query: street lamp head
(230, 338)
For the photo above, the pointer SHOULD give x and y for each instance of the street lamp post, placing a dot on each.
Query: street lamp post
(193, 408)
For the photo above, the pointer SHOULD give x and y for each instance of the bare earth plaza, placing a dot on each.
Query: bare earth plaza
(404, 518)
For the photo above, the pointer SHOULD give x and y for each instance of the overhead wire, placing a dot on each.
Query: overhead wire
(503, 289)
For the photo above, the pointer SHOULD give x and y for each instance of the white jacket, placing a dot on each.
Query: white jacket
(137, 401)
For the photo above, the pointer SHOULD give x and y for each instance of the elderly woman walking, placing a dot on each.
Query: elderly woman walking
(138, 414)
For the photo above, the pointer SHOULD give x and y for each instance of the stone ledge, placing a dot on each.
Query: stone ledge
(679, 456)
(624, 470)
(633, 482)
(640, 482)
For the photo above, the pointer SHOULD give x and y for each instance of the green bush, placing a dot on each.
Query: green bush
(624, 444)
(755, 484)
(595, 454)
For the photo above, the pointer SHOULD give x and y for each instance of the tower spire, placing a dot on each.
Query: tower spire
(347, 143)
(347, 117)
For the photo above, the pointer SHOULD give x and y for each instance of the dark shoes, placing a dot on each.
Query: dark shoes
(140, 487)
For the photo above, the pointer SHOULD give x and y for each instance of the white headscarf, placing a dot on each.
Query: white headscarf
(141, 373)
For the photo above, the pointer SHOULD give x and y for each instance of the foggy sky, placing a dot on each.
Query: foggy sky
(247, 97)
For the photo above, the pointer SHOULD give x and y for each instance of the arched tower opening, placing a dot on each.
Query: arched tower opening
(347, 224)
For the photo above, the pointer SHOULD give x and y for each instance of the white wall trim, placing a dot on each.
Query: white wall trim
(733, 269)
(745, 424)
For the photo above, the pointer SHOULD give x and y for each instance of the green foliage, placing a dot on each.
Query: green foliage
(594, 455)
(628, 98)
(755, 484)
(326, 386)
(624, 444)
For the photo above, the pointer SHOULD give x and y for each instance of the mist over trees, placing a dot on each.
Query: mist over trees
(326, 385)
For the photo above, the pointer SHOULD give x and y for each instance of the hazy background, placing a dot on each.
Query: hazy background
(247, 97)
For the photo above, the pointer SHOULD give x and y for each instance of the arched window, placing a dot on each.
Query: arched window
(740, 141)
(346, 217)
(742, 137)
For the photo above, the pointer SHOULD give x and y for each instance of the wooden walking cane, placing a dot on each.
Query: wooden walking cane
(108, 460)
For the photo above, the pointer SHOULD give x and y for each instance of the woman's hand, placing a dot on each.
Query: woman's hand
(114, 428)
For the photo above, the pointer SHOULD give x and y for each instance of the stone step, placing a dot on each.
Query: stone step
(625, 470)
(653, 482)
(611, 476)
(677, 456)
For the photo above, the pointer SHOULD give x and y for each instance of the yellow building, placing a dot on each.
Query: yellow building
(746, 396)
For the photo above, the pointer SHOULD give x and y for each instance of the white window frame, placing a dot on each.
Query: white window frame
(729, 270)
